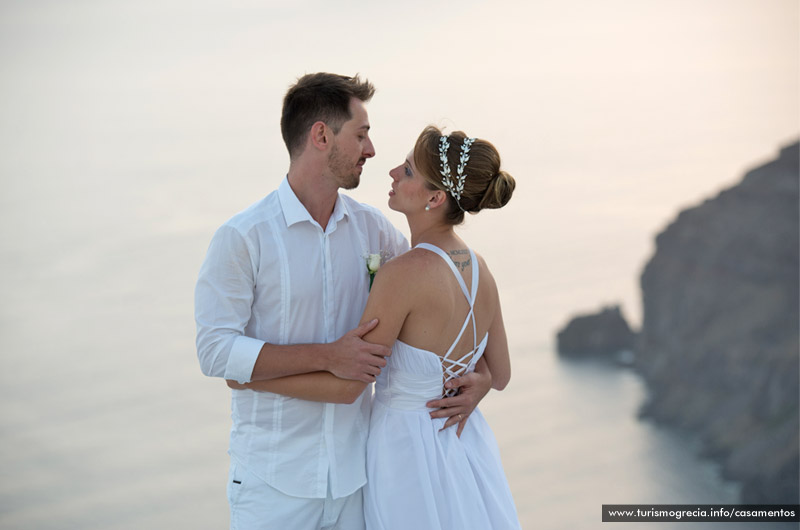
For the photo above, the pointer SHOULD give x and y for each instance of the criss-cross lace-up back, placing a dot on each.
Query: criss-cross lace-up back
(456, 367)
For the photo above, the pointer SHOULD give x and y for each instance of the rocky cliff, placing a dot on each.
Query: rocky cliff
(719, 339)
(605, 333)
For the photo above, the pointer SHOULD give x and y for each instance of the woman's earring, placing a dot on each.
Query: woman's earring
(427, 207)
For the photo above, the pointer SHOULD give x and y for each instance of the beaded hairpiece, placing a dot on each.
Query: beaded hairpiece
(454, 187)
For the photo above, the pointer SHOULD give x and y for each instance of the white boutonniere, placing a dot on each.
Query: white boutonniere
(373, 264)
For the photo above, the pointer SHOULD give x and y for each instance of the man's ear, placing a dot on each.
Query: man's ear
(320, 135)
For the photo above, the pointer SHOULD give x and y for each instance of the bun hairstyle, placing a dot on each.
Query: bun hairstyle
(485, 185)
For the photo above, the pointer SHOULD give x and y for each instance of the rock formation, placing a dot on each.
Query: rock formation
(719, 340)
(600, 334)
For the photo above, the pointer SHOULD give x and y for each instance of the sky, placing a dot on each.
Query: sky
(611, 115)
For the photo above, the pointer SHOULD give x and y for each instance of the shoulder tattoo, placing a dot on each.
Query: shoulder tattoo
(461, 258)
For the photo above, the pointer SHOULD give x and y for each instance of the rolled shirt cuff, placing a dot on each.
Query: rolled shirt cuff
(242, 358)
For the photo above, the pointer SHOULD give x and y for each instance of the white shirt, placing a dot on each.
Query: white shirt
(272, 274)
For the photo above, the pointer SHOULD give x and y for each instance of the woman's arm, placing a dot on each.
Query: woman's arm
(388, 303)
(496, 353)
(314, 386)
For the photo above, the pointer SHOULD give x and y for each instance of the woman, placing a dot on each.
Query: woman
(438, 309)
(438, 305)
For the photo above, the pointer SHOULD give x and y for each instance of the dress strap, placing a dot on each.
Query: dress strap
(446, 258)
(457, 367)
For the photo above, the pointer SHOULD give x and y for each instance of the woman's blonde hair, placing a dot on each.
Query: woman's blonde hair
(485, 185)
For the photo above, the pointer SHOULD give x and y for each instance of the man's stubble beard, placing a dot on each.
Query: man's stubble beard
(346, 176)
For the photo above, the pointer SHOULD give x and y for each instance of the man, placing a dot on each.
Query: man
(281, 285)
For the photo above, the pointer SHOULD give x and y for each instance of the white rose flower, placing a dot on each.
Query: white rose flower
(373, 263)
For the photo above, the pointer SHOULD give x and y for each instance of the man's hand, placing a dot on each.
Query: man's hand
(473, 387)
(351, 357)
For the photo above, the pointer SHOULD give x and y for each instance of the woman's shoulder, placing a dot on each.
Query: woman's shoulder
(421, 265)
(411, 263)
(486, 278)
(404, 278)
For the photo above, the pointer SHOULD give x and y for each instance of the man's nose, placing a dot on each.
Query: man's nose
(369, 149)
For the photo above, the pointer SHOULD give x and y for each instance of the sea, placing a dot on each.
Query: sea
(107, 421)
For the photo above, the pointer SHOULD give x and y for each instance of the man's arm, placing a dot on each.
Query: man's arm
(473, 387)
(223, 303)
(349, 358)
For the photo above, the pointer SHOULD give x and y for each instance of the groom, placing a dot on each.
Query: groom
(281, 290)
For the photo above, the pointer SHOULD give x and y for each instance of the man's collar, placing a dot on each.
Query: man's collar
(294, 211)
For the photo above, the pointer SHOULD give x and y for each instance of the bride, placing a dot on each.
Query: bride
(438, 309)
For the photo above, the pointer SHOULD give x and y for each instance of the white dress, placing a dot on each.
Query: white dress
(421, 478)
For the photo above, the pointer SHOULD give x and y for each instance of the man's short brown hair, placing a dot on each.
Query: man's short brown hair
(319, 97)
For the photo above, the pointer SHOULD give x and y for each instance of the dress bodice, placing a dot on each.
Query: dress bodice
(413, 376)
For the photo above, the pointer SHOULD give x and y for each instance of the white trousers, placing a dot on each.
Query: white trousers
(255, 505)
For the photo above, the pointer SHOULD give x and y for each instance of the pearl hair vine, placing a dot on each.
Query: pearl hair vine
(455, 187)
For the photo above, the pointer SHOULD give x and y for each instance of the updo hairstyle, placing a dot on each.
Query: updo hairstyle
(486, 185)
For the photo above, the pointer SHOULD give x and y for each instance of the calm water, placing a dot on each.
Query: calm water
(108, 423)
